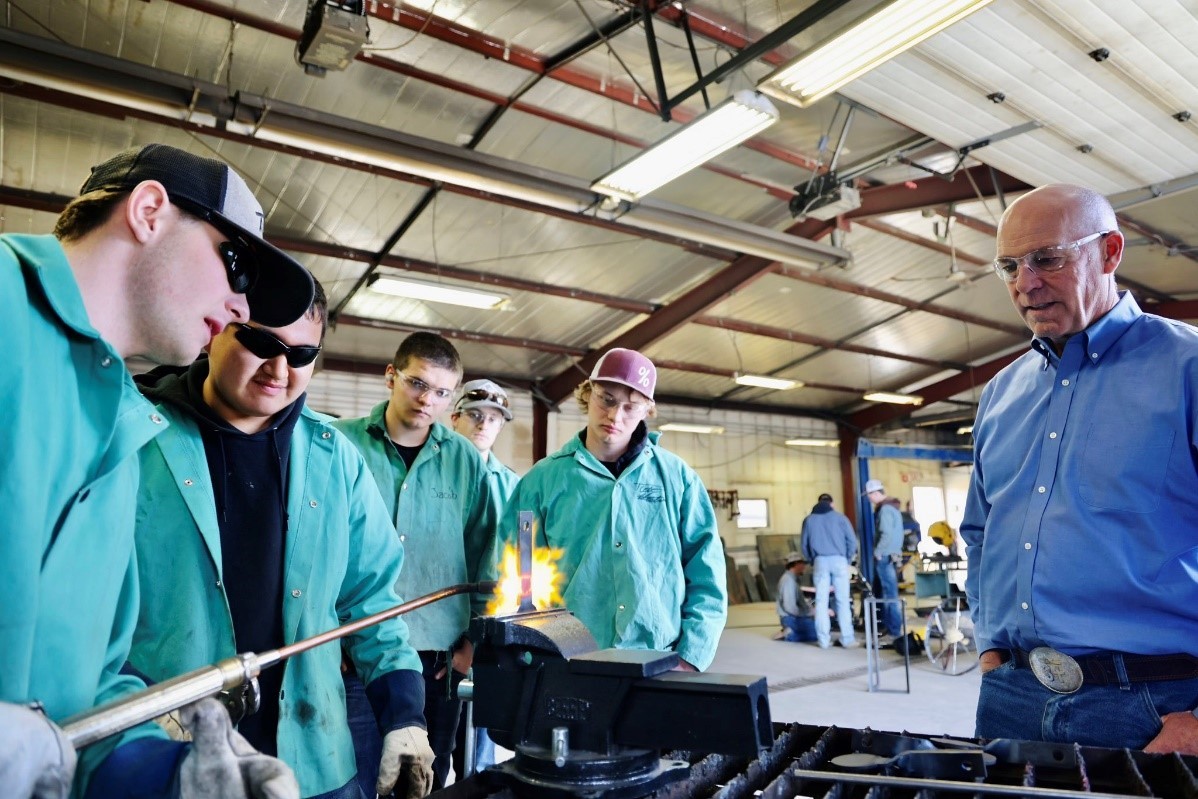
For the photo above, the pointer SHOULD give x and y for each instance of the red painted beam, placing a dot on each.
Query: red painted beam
(1176, 309)
(915, 194)
(464, 335)
(753, 329)
(975, 377)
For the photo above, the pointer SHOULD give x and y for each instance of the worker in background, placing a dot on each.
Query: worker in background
(258, 525)
(830, 543)
(642, 561)
(158, 253)
(1080, 522)
(432, 481)
(480, 415)
(794, 611)
(888, 543)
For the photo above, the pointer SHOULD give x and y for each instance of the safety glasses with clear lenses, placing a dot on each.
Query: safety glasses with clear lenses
(608, 402)
(1045, 259)
(265, 346)
(480, 419)
(418, 388)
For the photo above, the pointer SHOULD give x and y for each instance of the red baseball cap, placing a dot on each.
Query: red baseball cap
(628, 368)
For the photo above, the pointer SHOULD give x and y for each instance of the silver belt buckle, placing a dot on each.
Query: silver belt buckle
(1055, 670)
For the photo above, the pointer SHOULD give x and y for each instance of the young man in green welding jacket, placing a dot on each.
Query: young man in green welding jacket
(259, 525)
(432, 481)
(642, 558)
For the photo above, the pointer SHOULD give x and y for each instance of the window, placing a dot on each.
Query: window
(752, 513)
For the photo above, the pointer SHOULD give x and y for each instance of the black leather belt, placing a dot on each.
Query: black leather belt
(1100, 669)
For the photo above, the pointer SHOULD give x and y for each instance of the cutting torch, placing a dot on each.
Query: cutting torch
(230, 674)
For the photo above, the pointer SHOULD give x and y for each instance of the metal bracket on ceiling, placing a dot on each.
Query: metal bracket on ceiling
(964, 151)
(785, 32)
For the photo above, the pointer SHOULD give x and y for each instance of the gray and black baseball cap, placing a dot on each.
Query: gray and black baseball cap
(211, 190)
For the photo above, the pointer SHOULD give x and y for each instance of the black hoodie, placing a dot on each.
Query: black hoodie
(249, 482)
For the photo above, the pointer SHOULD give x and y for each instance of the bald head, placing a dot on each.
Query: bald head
(1077, 207)
(1056, 304)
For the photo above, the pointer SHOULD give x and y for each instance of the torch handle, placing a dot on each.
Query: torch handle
(96, 724)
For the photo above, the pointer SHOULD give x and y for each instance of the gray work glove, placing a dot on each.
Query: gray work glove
(36, 759)
(223, 765)
(407, 746)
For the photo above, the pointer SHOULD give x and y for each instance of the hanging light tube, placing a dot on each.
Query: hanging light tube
(893, 398)
(684, 427)
(729, 123)
(868, 43)
(812, 442)
(438, 292)
(761, 381)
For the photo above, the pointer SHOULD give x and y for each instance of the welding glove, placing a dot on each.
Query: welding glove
(36, 759)
(407, 746)
(223, 765)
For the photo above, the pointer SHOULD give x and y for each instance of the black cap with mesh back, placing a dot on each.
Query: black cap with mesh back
(212, 191)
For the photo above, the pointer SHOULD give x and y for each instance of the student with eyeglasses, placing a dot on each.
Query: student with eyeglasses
(259, 524)
(158, 253)
(1080, 518)
(432, 481)
(480, 414)
(642, 560)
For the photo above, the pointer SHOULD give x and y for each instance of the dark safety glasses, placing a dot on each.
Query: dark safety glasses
(482, 395)
(240, 265)
(266, 346)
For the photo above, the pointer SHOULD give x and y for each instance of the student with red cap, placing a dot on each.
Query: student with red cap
(642, 561)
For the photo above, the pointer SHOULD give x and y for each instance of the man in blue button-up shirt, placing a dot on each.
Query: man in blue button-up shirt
(1082, 517)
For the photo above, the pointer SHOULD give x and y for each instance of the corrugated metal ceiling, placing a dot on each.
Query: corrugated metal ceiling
(483, 72)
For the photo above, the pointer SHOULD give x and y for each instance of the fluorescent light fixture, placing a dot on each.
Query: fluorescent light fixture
(867, 43)
(812, 442)
(761, 381)
(737, 118)
(893, 398)
(964, 431)
(682, 427)
(438, 292)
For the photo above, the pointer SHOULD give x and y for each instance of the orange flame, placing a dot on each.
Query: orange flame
(546, 580)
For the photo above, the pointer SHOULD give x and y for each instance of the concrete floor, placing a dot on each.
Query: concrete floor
(829, 686)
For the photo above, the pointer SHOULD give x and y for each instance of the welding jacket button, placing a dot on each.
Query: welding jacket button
(297, 593)
(620, 608)
(619, 544)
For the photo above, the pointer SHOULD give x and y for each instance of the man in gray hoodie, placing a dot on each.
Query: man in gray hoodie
(829, 543)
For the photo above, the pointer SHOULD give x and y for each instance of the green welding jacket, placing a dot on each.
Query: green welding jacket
(501, 484)
(444, 517)
(341, 559)
(642, 561)
(68, 479)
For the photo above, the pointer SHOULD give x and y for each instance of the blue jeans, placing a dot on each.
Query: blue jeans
(798, 628)
(1013, 704)
(364, 729)
(892, 619)
(832, 570)
(440, 718)
(484, 748)
(351, 790)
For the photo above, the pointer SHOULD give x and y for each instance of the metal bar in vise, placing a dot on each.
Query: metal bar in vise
(96, 724)
(524, 547)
